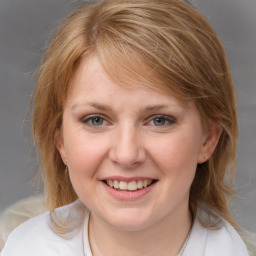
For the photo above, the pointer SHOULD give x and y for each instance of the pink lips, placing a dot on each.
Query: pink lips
(126, 194)
(119, 178)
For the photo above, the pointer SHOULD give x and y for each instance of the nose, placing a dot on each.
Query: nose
(127, 148)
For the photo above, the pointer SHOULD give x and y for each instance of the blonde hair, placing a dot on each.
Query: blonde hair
(177, 52)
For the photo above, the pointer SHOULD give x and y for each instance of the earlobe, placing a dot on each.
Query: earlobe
(211, 139)
(60, 145)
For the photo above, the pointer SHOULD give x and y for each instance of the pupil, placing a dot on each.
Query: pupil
(159, 121)
(97, 121)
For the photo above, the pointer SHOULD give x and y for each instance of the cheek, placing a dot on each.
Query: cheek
(84, 153)
(177, 155)
(84, 161)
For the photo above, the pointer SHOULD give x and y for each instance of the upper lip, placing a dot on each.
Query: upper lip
(127, 179)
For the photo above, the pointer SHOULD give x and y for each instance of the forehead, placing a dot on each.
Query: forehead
(138, 75)
(90, 84)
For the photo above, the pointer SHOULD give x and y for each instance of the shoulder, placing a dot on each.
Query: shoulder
(225, 241)
(211, 242)
(35, 236)
(28, 236)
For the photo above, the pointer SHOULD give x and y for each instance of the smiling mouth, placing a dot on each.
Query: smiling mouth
(129, 186)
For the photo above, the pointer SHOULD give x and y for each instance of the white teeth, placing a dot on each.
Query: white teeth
(139, 184)
(131, 185)
(123, 185)
(116, 184)
(110, 183)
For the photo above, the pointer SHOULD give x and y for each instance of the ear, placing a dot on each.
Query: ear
(210, 141)
(60, 146)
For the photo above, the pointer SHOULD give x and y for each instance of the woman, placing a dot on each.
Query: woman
(135, 122)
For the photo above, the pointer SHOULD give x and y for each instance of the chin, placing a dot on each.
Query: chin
(129, 221)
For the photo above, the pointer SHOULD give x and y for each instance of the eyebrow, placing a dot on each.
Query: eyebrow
(103, 107)
(154, 107)
(94, 105)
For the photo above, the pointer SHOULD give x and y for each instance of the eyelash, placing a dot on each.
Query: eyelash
(90, 118)
(170, 120)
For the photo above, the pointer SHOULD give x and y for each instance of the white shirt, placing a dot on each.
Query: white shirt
(36, 238)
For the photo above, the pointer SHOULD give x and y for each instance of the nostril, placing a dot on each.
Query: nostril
(127, 155)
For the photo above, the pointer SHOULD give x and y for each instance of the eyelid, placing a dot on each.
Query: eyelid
(87, 118)
(168, 118)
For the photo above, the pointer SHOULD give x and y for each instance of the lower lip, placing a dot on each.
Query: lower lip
(128, 195)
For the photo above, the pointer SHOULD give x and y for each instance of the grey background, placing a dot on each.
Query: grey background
(26, 25)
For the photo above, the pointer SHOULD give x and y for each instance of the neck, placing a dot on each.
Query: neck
(165, 237)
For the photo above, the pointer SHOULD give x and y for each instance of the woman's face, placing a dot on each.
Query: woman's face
(131, 153)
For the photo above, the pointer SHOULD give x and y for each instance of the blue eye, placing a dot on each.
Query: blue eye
(97, 121)
(94, 120)
(162, 121)
(159, 121)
